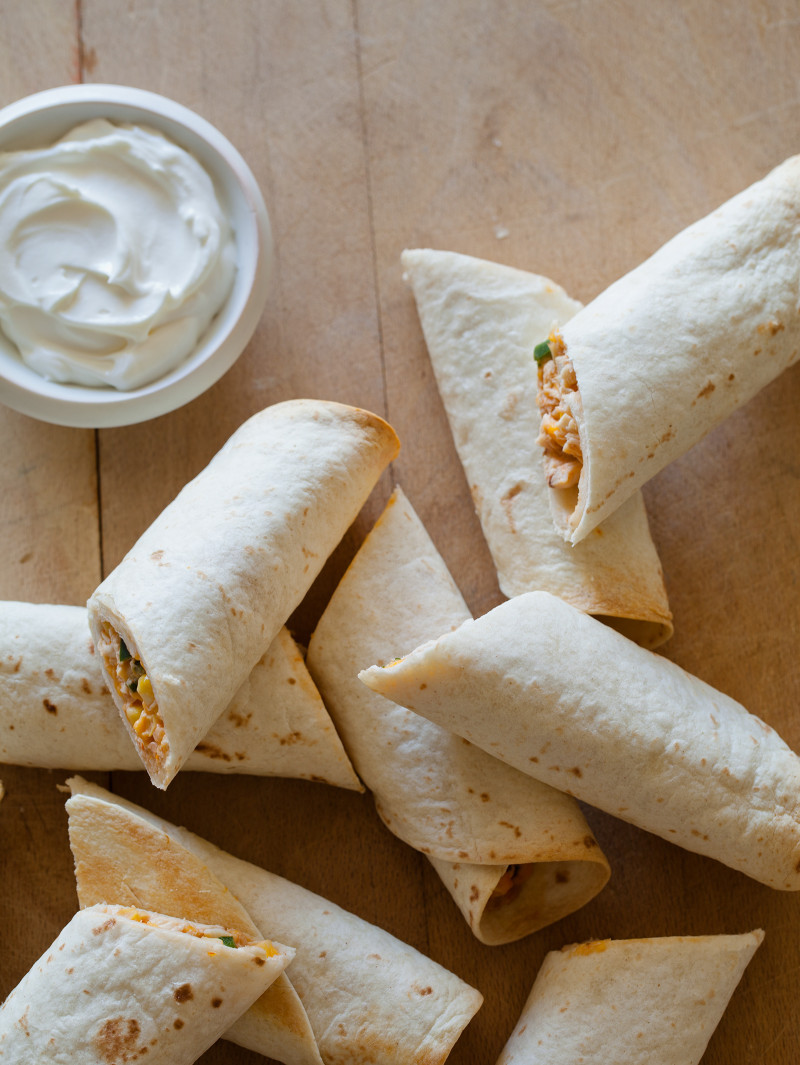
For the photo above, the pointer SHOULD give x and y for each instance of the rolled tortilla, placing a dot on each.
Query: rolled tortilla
(481, 321)
(56, 711)
(192, 607)
(578, 706)
(515, 854)
(672, 348)
(629, 1001)
(123, 984)
(370, 999)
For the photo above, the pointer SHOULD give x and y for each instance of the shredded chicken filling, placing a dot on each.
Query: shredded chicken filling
(558, 434)
(135, 689)
(231, 937)
(510, 885)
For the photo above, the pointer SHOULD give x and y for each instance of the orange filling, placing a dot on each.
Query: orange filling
(134, 688)
(510, 885)
(558, 433)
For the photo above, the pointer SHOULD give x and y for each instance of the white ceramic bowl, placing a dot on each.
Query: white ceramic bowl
(39, 120)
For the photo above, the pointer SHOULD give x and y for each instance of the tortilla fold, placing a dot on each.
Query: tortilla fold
(675, 346)
(515, 854)
(629, 1001)
(368, 997)
(56, 711)
(205, 590)
(122, 984)
(481, 321)
(578, 706)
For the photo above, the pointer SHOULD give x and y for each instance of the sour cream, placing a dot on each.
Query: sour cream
(115, 254)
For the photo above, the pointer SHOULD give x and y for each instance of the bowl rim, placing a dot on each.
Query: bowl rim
(81, 406)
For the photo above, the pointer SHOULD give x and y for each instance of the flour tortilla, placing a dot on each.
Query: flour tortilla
(671, 349)
(206, 589)
(370, 999)
(635, 1001)
(481, 322)
(56, 712)
(578, 706)
(121, 984)
(473, 816)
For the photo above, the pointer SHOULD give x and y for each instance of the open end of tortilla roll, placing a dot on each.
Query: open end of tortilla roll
(135, 697)
(504, 903)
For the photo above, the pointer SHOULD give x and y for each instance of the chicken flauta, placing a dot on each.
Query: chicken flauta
(134, 687)
(557, 394)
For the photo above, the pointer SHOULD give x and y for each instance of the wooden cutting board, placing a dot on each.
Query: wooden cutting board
(565, 137)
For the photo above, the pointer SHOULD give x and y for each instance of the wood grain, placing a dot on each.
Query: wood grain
(565, 137)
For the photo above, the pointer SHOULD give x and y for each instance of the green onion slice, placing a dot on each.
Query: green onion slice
(542, 352)
(229, 941)
(124, 653)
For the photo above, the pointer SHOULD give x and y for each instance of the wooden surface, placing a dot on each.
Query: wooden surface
(566, 137)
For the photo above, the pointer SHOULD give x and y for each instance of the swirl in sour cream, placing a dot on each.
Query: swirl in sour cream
(115, 254)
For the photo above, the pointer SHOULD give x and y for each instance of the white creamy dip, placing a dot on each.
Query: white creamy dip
(115, 255)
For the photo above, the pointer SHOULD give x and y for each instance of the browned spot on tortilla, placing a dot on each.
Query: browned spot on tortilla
(291, 739)
(706, 390)
(238, 719)
(156, 556)
(116, 1041)
(731, 376)
(216, 1002)
(90, 645)
(423, 990)
(183, 993)
(104, 927)
(562, 876)
(49, 673)
(487, 373)
(505, 502)
(474, 894)
(576, 772)
(589, 841)
(210, 751)
(323, 954)
(86, 686)
(259, 961)
(533, 758)
(507, 824)
(292, 680)
(51, 708)
(463, 854)
(771, 327)
(555, 768)
(177, 1023)
(484, 796)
